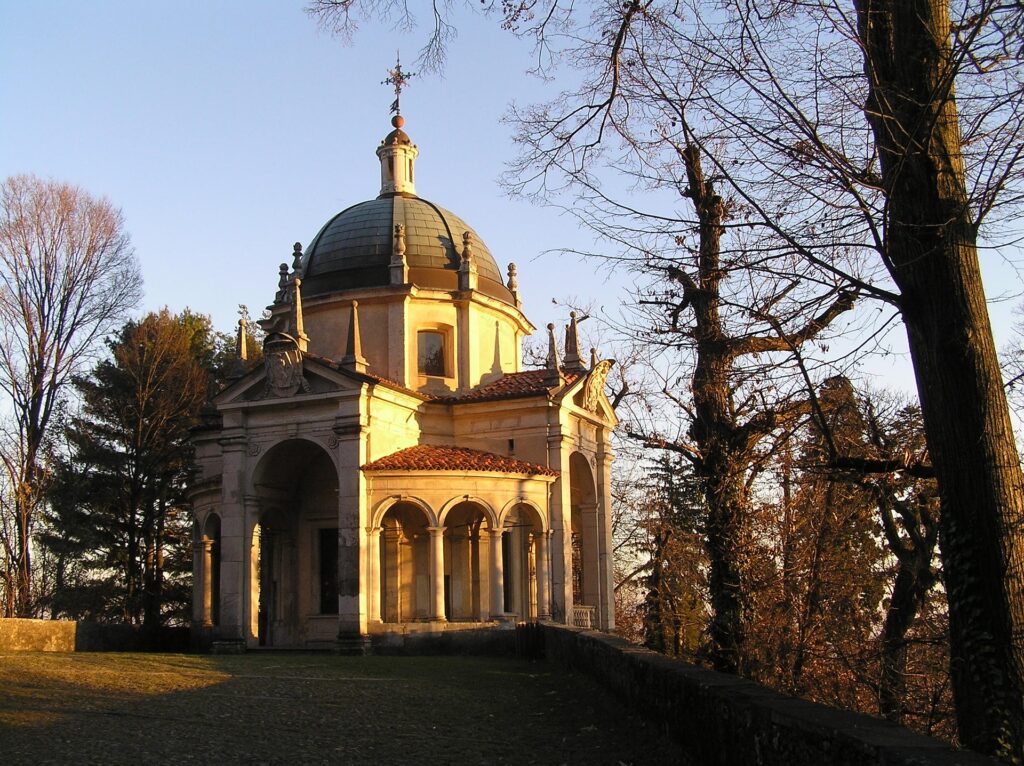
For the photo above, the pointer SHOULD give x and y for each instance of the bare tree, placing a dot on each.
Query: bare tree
(874, 138)
(67, 277)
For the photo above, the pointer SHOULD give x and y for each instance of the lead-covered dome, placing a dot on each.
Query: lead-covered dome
(354, 249)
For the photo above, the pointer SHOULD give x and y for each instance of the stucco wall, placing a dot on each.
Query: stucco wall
(722, 719)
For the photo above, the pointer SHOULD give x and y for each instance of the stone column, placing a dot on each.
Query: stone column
(373, 571)
(348, 442)
(591, 555)
(604, 498)
(476, 606)
(497, 576)
(485, 573)
(391, 580)
(543, 599)
(251, 566)
(513, 576)
(207, 546)
(198, 618)
(233, 533)
(560, 517)
(436, 572)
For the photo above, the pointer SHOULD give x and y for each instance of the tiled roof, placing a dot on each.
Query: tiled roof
(511, 386)
(427, 457)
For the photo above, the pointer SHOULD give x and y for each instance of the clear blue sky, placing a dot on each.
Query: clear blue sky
(228, 130)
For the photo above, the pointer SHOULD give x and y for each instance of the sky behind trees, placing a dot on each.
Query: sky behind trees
(227, 131)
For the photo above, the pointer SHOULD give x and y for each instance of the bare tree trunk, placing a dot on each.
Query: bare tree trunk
(725, 496)
(908, 595)
(914, 579)
(931, 253)
(723, 449)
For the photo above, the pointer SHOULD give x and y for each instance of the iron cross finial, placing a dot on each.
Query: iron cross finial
(399, 79)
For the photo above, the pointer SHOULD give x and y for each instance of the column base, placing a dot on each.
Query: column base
(352, 645)
(228, 646)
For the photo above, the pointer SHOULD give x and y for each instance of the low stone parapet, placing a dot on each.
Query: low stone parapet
(27, 635)
(24, 635)
(723, 719)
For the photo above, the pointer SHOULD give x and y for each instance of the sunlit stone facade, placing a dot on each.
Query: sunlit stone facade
(389, 467)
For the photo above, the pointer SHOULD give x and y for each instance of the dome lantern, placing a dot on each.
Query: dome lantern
(396, 152)
(397, 156)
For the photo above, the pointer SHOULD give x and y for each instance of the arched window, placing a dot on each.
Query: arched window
(431, 353)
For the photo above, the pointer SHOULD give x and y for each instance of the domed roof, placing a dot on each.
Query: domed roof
(354, 248)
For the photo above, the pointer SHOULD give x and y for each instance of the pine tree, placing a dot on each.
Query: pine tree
(119, 499)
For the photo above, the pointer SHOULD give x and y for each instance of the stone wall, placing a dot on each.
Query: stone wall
(24, 635)
(722, 719)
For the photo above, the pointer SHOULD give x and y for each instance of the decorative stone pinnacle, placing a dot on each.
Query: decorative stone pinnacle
(513, 280)
(553, 368)
(467, 268)
(240, 343)
(593, 357)
(353, 359)
(297, 257)
(400, 239)
(572, 345)
(399, 267)
(296, 315)
(282, 284)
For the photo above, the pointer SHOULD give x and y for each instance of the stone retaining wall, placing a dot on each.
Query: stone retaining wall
(25, 635)
(722, 719)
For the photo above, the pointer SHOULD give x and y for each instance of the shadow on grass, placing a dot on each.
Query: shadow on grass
(134, 708)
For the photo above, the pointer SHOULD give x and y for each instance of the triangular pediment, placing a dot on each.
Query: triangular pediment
(311, 378)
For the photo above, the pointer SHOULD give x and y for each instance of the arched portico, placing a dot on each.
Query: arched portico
(404, 563)
(293, 546)
(526, 564)
(467, 560)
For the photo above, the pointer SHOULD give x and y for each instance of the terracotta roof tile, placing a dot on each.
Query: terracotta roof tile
(427, 457)
(512, 386)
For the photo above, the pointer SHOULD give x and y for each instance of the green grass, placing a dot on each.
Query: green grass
(283, 708)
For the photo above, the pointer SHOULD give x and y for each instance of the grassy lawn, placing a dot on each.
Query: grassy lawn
(290, 708)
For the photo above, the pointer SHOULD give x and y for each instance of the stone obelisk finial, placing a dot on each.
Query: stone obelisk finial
(353, 359)
(552, 365)
(573, 360)
(240, 342)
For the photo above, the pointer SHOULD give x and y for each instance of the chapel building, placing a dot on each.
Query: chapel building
(390, 467)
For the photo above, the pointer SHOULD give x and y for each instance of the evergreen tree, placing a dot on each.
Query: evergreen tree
(675, 616)
(119, 504)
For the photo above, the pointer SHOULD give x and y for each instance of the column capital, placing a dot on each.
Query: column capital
(436, 530)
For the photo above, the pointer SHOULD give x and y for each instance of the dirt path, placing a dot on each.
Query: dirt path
(276, 708)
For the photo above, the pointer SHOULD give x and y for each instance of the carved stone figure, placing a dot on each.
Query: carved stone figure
(595, 384)
(283, 362)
